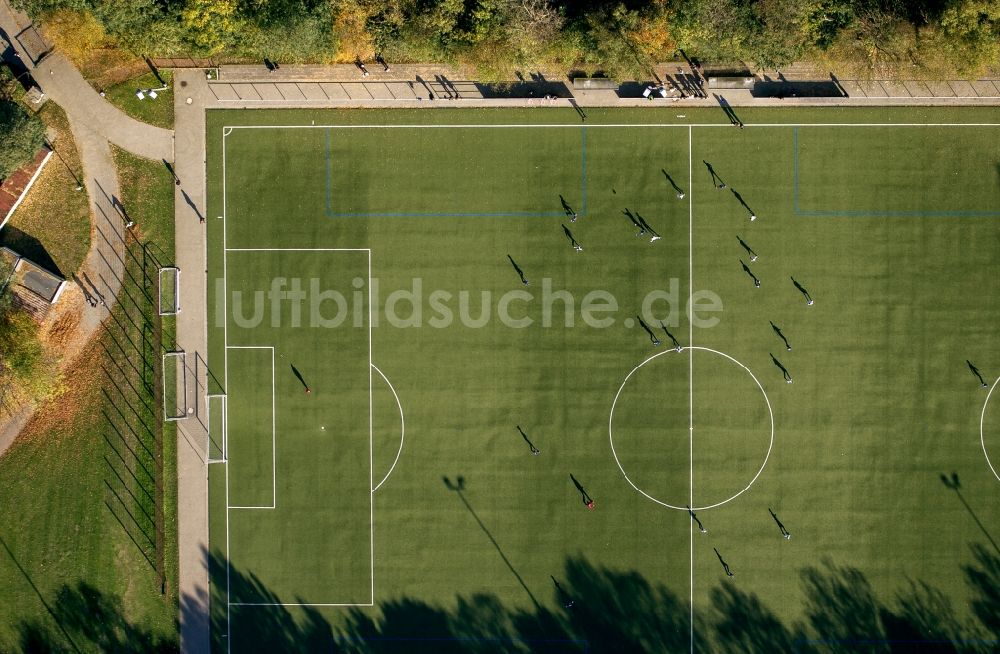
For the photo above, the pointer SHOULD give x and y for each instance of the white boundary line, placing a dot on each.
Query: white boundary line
(294, 604)
(298, 250)
(371, 438)
(402, 428)
(225, 365)
(228, 129)
(611, 438)
(690, 185)
(225, 270)
(605, 125)
(274, 440)
(982, 431)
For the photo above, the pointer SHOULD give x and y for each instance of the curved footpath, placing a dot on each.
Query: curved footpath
(94, 123)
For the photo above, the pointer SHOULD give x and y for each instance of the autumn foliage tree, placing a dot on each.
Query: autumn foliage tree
(22, 135)
(867, 38)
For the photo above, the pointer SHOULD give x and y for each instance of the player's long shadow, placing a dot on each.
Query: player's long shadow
(458, 487)
(955, 484)
(298, 375)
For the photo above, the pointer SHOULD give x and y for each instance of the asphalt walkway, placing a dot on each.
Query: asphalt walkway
(192, 337)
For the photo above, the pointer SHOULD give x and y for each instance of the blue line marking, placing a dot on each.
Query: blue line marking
(437, 214)
(795, 140)
(889, 214)
(329, 176)
(872, 213)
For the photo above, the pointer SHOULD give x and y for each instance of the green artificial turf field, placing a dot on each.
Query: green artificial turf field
(374, 352)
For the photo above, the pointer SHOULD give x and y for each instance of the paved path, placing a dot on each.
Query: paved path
(62, 82)
(416, 85)
(103, 266)
(192, 337)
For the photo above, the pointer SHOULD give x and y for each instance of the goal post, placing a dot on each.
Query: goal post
(175, 386)
(170, 291)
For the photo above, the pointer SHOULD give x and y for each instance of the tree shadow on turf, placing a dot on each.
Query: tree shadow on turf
(622, 611)
(613, 611)
(87, 620)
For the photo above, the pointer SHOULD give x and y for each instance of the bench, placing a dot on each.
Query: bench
(594, 83)
(730, 82)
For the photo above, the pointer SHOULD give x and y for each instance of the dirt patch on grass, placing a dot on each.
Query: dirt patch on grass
(78, 402)
(59, 329)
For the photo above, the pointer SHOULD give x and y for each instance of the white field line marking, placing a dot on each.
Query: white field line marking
(982, 433)
(274, 442)
(228, 129)
(228, 566)
(691, 377)
(225, 365)
(607, 125)
(402, 428)
(370, 473)
(227, 347)
(293, 604)
(298, 250)
(371, 437)
(611, 436)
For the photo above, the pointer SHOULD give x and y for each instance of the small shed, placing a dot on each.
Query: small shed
(33, 287)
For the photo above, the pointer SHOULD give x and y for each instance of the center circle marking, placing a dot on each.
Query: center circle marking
(982, 429)
(770, 445)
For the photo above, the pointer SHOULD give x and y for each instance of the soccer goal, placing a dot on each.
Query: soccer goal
(174, 386)
(216, 447)
(170, 291)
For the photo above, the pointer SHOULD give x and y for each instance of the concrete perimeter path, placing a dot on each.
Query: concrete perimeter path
(192, 337)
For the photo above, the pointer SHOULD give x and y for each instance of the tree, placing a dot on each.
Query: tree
(22, 135)
(212, 25)
(500, 36)
(878, 44)
(23, 373)
(826, 20)
(9, 86)
(783, 28)
(351, 27)
(142, 26)
(612, 43)
(717, 29)
(288, 30)
(75, 33)
(971, 31)
(27, 371)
